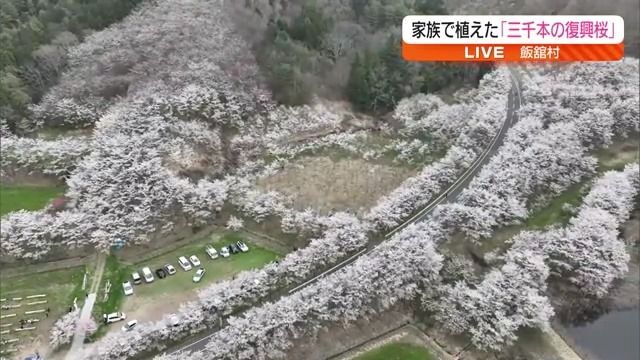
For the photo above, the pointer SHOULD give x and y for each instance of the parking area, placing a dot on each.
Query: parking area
(164, 295)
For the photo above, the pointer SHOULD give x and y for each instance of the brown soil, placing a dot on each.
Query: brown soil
(327, 185)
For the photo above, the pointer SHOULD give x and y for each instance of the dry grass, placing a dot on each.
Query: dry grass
(334, 185)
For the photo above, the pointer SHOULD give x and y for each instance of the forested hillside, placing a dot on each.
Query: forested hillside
(342, 48)
(34, 38)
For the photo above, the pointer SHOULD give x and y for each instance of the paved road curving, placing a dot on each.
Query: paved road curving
(513, 104)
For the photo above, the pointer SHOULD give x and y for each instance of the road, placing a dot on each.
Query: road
(514, 101)
(87, 308)
(513, 104)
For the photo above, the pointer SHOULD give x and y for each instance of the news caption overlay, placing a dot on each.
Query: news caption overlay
(513, 38)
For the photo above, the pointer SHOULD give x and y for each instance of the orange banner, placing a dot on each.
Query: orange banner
(512, 52)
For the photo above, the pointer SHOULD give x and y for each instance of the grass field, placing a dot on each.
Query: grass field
(398, 351)
(14, 198)
(60, 287)
(553, 212)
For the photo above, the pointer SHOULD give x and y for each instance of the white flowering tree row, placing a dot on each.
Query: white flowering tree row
(508, 299)
(184, 53)
(344, 235)
(259, 205)
(287, 132)
(472, 133)
(283, 133)
(354, 143)
(131, 78)
(250, 287)
(370, 285)
(609, 88)
(50, 157)
(491, 312)
(546, 151)
(123, 188)
(524, 275)
(480, 309)
(587, 253)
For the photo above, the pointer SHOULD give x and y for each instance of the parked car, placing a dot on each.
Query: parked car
(129, 325)
(184, 263)
(136, 278)
(128, 289)
(170, 269)
(161, 273)
(242, 246)
(211, 251)
(234, 248)
(198, 275)
(224, 251)
(147, 274)
(113, 317)
(194, 260)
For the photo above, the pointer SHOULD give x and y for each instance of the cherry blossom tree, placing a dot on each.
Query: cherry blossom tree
(64, 328)
(587, 253)
(186, 53)
(547, 150)
(470, 135)
(344, 234)
(52, 157)
(506, 300)
(363, 289)
(234, 223)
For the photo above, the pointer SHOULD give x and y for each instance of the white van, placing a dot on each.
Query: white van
(113, 317)
(147, 274)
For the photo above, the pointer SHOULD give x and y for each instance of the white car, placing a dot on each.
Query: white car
(211, 252)
(184, 263)
(170, 269)
(194, 260)
(198, 275)
(113, 317)
(147, 274)
(136, 278)
(128, 289)
(224, 251)
(243, 247)
(174, 320)
(129, 325)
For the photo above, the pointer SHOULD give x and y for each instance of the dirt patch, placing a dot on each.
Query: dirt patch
(335, 185)
(145, 309)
